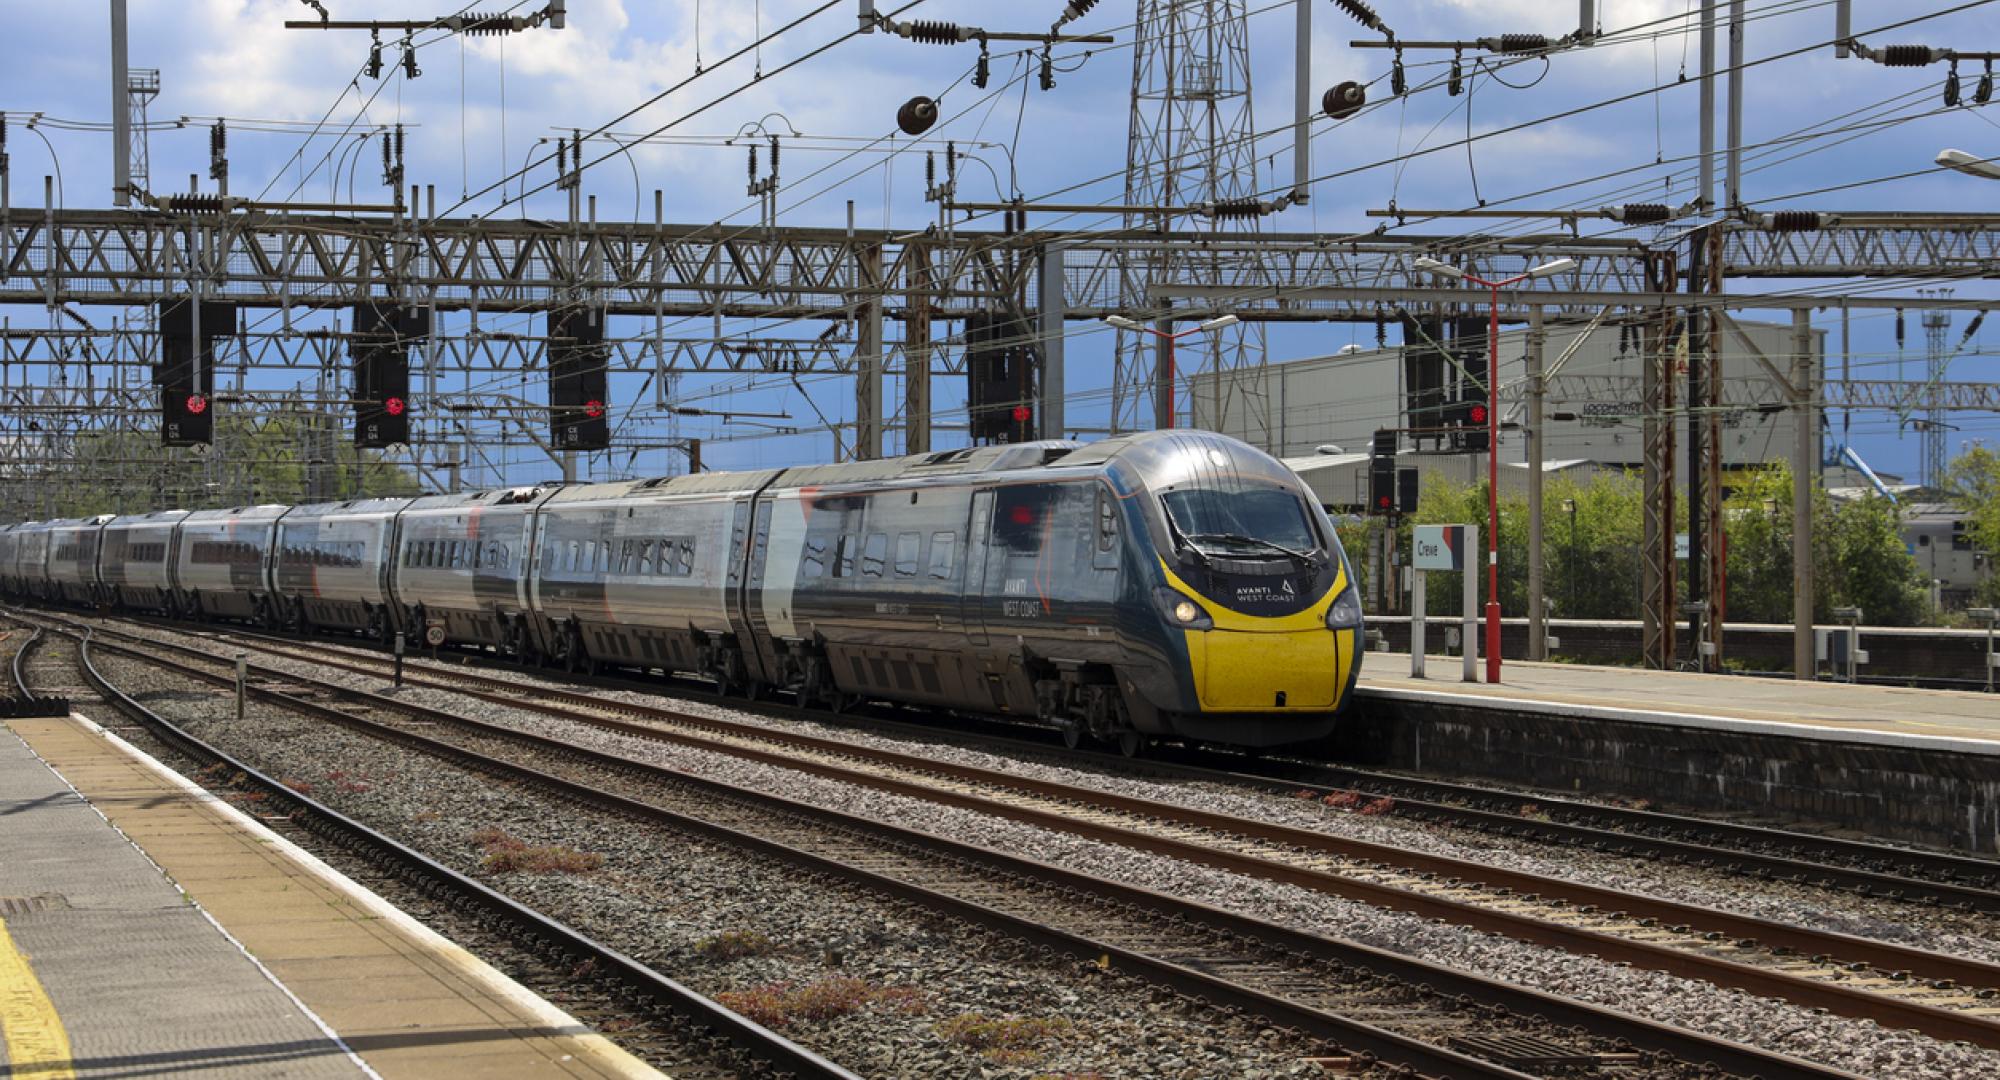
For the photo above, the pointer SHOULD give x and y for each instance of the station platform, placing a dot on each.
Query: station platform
(149, 929)
(1888, 763)
(1969, 721)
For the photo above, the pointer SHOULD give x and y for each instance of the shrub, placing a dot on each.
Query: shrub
(507, 854)
(734, 944)
(777, 1004)
(1005, 1042)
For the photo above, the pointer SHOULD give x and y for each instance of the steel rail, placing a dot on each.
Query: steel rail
(759, 1042)
(1927, 966)
(1684, 1045)
(1969, 882)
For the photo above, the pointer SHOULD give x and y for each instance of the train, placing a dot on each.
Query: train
(1168, 585)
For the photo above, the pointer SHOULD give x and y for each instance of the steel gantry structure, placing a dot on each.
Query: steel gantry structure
(280, 264)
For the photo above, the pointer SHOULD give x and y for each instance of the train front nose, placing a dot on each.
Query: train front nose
(1267, 668)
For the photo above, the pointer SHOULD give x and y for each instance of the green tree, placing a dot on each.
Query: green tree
(1972, 483)
(1859, 557)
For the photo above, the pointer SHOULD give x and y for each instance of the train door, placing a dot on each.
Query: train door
(760, 649)
(972, 573)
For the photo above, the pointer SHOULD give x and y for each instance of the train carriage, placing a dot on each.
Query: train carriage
(222, 563)
(641, 574)
(71, 567)
(16, 540)
(332, 563)
(461, 563)
(135, 560)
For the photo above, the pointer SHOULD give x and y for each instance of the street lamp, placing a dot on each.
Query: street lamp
(1969, 164)
(1442, 269)
(1167, 353)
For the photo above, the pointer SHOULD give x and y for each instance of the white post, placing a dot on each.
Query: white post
(1417, 623)
(1469, 631)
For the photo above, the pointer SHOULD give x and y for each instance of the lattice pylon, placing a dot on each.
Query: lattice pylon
(1189, 142)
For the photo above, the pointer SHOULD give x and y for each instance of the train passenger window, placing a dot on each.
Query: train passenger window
(909, 548)
(574, 550)
(687, 556)
(843, 560)
(815, 558)
(1107, 521)
(644, 565)
(875, 555)
(604, 557)
(941, 552)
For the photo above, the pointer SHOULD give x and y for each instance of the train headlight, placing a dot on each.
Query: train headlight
(1181, 610)
(1345, 614)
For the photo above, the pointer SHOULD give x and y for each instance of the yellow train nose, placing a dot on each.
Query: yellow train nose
(1236, 670)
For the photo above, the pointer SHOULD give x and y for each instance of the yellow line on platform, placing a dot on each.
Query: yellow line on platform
(37, 1045)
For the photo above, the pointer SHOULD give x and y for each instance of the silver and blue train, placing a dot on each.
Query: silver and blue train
(1177, 584)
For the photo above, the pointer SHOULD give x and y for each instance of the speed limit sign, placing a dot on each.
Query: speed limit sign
(434, 635)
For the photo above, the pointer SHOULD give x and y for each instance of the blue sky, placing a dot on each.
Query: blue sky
(232, 58)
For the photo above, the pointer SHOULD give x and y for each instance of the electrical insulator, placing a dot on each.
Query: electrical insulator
(774, 157)
(932, 32)
(410, 69)
(196, 204)
(1232, 209)
(1642, 213)
(983, 70)
(1048, 71)
(1793, 221)
(1399, 83)
(1074, 10)
(1344, 100)
(753, 163)
(1519, 43)
(1899, 328)
(374, 67)
(1972, 328)
(1362, 14)
(951, 161)
(1951, 86)
(1984, 93)
(930, 168)
(399, 145)
(1907, 55)
(917, 115)
(1457, 84)
(388, 161)
(489, 24)
(1381, 330)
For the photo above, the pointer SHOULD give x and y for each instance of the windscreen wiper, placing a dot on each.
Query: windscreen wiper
(1239, 538)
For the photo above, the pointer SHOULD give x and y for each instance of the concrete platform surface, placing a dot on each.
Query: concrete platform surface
(150, 929)
(1961, 720)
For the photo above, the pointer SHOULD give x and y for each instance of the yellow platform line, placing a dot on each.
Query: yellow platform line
(37, 1045)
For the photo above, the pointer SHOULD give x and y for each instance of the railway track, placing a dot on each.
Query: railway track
(1420, 1016)
(699, 1030)
(1867, 869)
(1939, 995)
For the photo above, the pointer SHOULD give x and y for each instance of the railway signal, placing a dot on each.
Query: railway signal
(186, 369)
(579, 380)
(380, 345)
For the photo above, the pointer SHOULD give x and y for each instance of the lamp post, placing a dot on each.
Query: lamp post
(1493, 436)
(1167, 353)
(1970, 164)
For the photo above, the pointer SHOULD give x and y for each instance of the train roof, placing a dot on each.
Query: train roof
(507, 496)
(154, 517)
(385, 505)
(79, 522)
(262, 512)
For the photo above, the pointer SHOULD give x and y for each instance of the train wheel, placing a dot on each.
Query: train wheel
(1130, 743)
(1072, 732)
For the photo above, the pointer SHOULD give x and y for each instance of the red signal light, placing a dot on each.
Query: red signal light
(1023, 515)
(196, 404)
(1383, 502)
(394, 406)
(1022, 413)
(1479, 414)
(593, 408)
